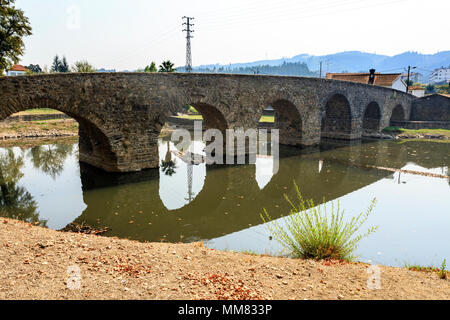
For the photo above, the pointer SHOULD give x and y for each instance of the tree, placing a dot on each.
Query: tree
(34, 68)
(151, 68)
(13, 27)
(60, 65)
(409, 82)
(64, 66)
(50, 159)
(83, 66)
(56, 64)
(430, 88)
(15, 201)
(167, 66)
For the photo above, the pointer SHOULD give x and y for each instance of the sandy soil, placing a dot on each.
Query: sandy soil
(36, 263)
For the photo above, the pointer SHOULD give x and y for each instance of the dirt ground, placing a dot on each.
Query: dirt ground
(38, 263)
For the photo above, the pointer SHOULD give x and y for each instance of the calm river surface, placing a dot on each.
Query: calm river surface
(221, 205)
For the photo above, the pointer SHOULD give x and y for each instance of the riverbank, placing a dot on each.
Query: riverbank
(38, 129)
(419, 134)
(34, 262)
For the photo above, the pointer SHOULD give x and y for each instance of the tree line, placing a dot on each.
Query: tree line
(285, 69)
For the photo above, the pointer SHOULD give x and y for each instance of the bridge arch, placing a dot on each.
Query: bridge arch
(212, 116)
(95, 146)
(336, 122)
(398, 114)
(371, 119)
(288, 121)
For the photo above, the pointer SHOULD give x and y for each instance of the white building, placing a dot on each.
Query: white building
(415, 77)
(17, 70)
(441, 75)
(416, 91)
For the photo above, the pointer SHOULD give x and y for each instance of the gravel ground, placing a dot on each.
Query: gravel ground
(38, 263)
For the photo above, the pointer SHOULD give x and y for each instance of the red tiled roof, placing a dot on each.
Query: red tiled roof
(18, 67)
(381, 79)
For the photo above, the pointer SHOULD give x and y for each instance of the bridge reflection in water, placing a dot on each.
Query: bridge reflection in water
(154, 206)
(222, 203)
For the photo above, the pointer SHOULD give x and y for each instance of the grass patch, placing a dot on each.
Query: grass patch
(269, 119)
(191, 116)
(441, 272)
(250, 252)
(399, 130)
(39, 111)
(26, 127)
(191, 109)
(312, 232)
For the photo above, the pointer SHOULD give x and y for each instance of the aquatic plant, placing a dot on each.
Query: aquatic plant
(311, 231)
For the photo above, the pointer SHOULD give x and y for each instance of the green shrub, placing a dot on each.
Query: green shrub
(310, 232)
(442, 272)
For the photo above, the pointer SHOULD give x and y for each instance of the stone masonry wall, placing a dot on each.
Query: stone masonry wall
(121, 114)
(431, 108)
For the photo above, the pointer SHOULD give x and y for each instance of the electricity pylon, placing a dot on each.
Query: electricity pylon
(188, 42)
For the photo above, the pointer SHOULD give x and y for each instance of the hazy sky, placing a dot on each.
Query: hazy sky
(130, 34)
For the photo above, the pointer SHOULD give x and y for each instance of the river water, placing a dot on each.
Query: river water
(221, 204)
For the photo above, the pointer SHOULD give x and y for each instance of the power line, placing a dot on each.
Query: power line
(390, 70)
(188, 42)
(278, 9)
(287, 17)
(425, 69)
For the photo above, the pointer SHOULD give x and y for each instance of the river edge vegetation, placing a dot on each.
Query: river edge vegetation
(418, 134)
(318, 231)
(442, 272)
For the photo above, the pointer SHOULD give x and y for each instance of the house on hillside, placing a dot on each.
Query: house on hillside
(415, 77)
(416, 91)
(17, 70)
(440, 76)
(389, 80)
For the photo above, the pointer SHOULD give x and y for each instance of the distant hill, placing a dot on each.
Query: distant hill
(283, 69)
(349, 61)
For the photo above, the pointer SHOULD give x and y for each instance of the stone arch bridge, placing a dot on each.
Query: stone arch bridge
(120, 115)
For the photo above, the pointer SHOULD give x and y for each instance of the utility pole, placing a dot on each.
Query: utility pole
(320, 69)
(407, 81)
(188, 42)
